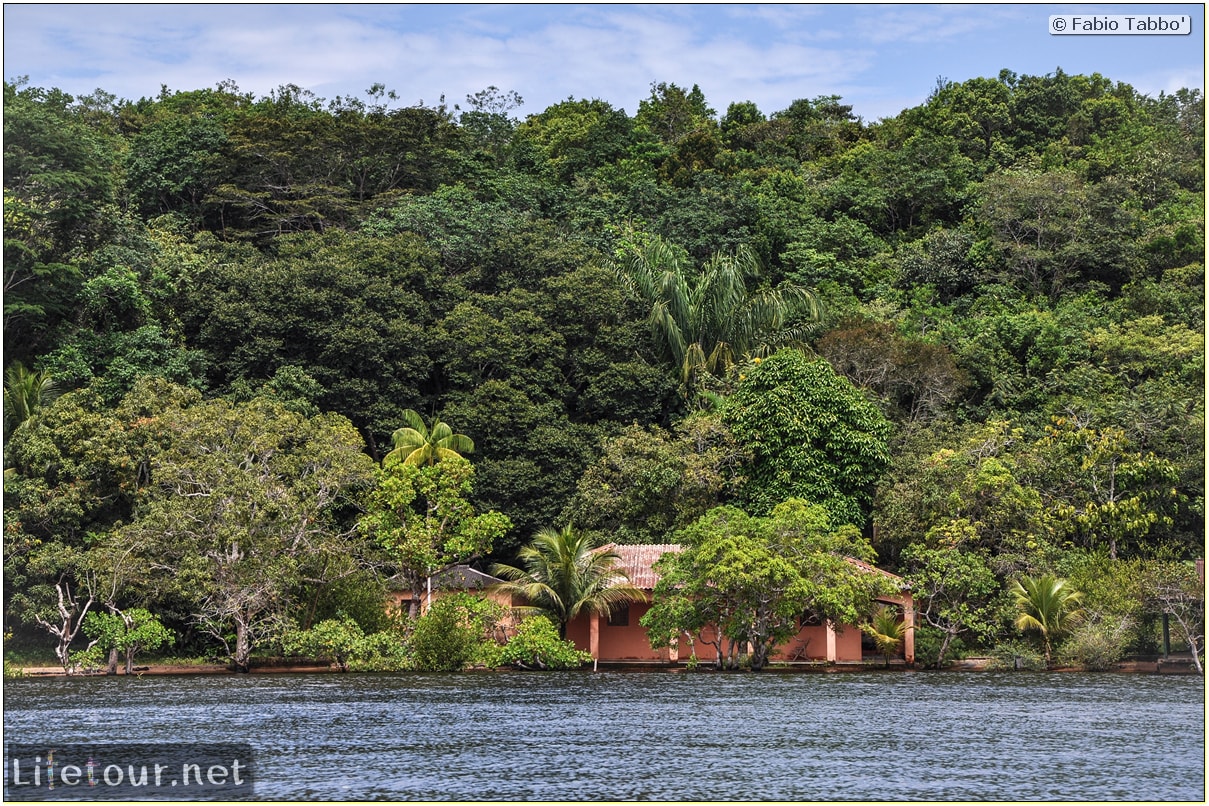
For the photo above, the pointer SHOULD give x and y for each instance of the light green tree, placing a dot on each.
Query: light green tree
(244, 507)
(128, 631)
(421, 514)
(564, 572)
(1047, 606)
(420, 444)
(743, 581)
(954, 589)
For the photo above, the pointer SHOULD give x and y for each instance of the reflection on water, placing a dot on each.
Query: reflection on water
(659, 736)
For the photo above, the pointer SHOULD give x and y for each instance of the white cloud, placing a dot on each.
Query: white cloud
(879, 58)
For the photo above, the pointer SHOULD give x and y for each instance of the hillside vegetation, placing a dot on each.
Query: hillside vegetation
(974, 331)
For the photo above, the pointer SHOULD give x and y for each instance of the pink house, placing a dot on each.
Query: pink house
(622, 639)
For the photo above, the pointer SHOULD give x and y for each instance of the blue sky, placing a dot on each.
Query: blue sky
(879, 58)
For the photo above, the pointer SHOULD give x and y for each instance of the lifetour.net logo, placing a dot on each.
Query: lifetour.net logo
(47, 772)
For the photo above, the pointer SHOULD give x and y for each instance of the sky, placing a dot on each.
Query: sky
(880, 59)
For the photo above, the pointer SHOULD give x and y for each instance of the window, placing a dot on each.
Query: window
(620, 615)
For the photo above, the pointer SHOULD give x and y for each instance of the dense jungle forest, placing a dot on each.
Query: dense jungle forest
(971, 334)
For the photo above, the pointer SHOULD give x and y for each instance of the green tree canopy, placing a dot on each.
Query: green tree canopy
(706, 321)
(244, 507)
(741, 580)
(812, 435)
(422, 516)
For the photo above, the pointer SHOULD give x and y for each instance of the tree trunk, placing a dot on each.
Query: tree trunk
(113, 662)
(243, 647)
(759, 657)
(944, 648)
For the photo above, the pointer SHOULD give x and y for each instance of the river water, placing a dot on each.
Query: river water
(893, 736)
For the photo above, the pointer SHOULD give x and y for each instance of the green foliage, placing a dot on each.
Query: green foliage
(243, 507)
(741, 580)
(421, 515)
(1012, 273)
(929, 644)
(1017, 655)
(25, 391)
(1047, 606)
(1096, 647)
(128, 631)
(343, 642)
(705, 322)
(648, 483)
(812, 435)
(418, 444)
(887, 629)
(536, 645)
(457, 631)
(955, 593)
(1178, 591)
(564, 572)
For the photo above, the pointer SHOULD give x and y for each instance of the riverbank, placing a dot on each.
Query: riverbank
(1173, 665)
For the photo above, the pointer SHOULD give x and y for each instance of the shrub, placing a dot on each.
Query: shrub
(1017, 655)
(536, 645)
(342, 641)
(1097, 646)
(927, 647)
(455, 633)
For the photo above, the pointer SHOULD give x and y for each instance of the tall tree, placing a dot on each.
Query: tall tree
(244, 508)
(812, 435)
(955, 593)
(704, 322)
(564, 572)
(422, 516)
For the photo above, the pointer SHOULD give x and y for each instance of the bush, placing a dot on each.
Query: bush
(1098, 646)
(927, 647)
(382, 651)
(1016, 655)
(455, 633)
(536, 645)
(342, 641)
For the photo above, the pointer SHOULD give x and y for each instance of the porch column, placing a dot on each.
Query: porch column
(832, 654)
(909, 636)
(594, 636)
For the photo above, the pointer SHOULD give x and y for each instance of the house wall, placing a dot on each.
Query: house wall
(617, 643)
(630, 643)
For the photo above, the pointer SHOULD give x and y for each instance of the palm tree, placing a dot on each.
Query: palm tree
(418, 444)
(704, 321)
(886, 630)
(25, 391)
(1048, 606)
(566, 573)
